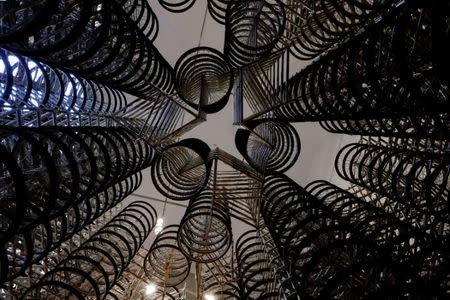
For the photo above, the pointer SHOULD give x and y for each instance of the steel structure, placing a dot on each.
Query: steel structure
(87, 102)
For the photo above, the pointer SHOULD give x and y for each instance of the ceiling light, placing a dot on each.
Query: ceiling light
(158, 230)
(210, 297)
(150, 289)
(159, 225)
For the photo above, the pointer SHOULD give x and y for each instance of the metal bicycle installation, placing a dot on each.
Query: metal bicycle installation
(88, 103)
(100, 260)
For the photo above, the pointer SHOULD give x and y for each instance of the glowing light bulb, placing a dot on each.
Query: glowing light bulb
(159, 225)
(150, 289)
(158, 230)
(210, 297)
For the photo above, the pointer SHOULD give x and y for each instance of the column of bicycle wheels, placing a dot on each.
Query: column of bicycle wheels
(92, 269)
(165, 264)
(389, 80)
(183, 171)
(394, 94)
(205, 229)
(36, 271)
(107, 41)
(241, 188)
(268, 145)
(35, 94)
(261, 276)
(309, 237)
(31, 15)
(85, 55)
(418, 258)
(417, 180)
(204, 235)
(134, 284)
(327, 235)
(58, 181)
(306, 29)
(252, 30)
(318, 26)
(409, 177)
(71, 149)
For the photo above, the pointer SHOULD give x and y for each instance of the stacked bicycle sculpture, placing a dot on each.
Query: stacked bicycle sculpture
(68, 155)
(87, 102)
